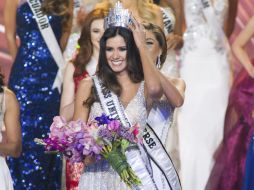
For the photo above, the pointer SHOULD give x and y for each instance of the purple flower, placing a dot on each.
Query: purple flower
(88, 144)
(105, 134)
(103, 119)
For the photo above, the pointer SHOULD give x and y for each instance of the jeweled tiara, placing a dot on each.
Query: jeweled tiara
(118, 16)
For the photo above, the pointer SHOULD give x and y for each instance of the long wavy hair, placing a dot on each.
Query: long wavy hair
(160, 37)
(85, 43)
(134, 65)
(106, 74)
(59, 8)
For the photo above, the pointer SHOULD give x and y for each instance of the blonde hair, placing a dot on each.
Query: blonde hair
(145, 10)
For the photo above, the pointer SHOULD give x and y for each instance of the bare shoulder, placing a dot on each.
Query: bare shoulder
(11, 99)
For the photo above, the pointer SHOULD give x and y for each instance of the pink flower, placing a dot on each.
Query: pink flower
(76, 126)
(59, 122)
(88, 144)
(114, 125)
(136, 130)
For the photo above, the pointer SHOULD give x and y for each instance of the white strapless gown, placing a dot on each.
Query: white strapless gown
(205, 69)
(5, 176)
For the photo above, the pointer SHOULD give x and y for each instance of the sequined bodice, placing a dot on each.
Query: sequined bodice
(27, 28)
(198, 27)
(136, 113)
(135, 110)
(194, 12)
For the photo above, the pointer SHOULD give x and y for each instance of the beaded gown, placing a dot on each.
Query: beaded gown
(32, 76)
(230, 163)
(205, 70)
(5, 176)
(101, 176)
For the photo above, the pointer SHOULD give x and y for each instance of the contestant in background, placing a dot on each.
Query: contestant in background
(10, 133)
(205, 68)
(230, 166)
(173, 19)
(84, 64)
(161, 116)
(35, 78)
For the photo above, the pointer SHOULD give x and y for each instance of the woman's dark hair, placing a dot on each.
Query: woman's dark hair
(59, 8)
(106, 74)
(160, 37)
(134, 65)
(1, 82)
(85, 43)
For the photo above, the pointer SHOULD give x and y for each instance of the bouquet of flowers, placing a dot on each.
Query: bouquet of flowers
(100, 138)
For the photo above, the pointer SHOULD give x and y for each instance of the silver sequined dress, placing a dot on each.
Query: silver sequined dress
(101, 176)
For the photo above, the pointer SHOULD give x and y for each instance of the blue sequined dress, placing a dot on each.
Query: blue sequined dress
(31, 78)
(249, 168)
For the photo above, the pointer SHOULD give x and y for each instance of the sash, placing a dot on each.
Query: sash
(212, 21)
(112, 107)
(165, 175)
(50, 39)
(168, 20)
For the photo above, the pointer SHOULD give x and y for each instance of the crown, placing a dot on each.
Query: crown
(118, 16)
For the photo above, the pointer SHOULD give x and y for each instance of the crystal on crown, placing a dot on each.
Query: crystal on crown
(118, 16)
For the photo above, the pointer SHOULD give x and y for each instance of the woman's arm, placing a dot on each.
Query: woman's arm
(155, 83)
(81, 111)
(66, 28)
(173, 89)
(238, 46)
(151, 73)
(230, 21)
(67, 97)
(10, 10)
(12, 145)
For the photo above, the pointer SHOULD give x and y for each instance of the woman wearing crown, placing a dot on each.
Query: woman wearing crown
(126, 71)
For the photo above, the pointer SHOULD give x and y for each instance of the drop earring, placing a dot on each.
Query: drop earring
(158, 62)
